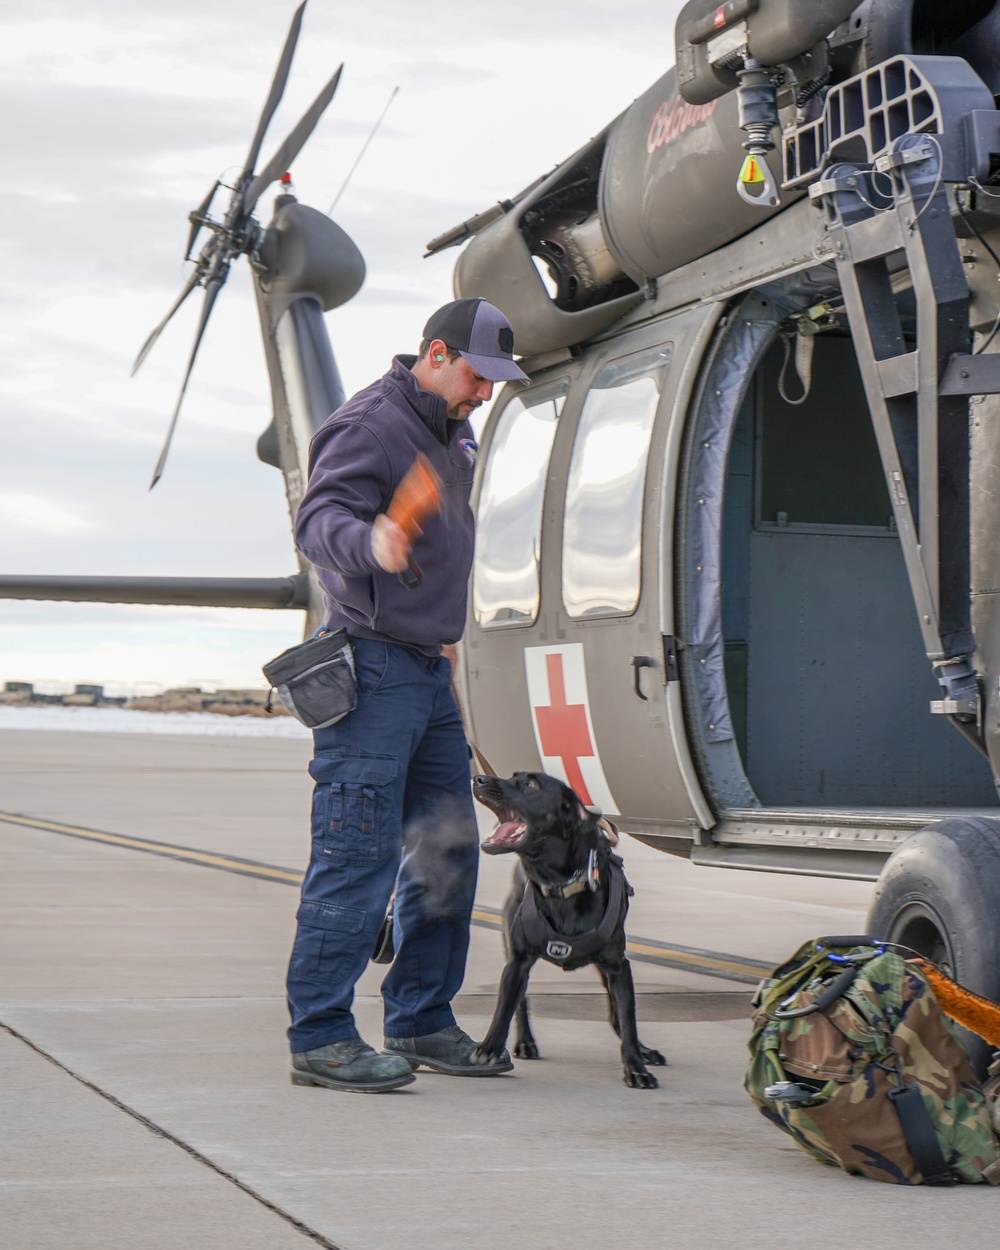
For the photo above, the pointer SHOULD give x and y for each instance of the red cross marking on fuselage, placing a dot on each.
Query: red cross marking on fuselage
(563, 729)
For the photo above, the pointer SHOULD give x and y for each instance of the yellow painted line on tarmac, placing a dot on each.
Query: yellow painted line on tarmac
(663, 953)
(248, 867)
(697, 961)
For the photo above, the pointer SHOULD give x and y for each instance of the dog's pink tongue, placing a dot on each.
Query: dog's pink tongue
(503, 833)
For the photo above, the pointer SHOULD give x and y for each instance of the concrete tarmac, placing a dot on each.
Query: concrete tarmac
(143, 1061)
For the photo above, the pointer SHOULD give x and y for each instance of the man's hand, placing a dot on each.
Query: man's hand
(389, 545)
(450, 653)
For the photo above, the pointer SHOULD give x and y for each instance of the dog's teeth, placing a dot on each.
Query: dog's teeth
(519, 830)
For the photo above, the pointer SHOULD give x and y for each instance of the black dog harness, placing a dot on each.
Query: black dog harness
(576, 950)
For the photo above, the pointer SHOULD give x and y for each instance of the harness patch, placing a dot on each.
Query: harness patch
(558, 950)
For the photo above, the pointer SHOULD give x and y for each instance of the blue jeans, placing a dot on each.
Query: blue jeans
(392, 800)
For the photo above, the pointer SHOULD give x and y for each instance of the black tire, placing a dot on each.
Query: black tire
(940, 895)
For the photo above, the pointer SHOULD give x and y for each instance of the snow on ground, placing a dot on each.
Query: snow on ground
(121, 720)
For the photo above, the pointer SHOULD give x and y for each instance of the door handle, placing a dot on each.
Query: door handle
(640, 662)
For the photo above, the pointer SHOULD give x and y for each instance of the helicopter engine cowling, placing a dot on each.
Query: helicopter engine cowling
(304, 252)
(666, 193)
(651, 193)
(552, 228)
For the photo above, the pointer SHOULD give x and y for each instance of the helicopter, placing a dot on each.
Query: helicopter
(737, 568)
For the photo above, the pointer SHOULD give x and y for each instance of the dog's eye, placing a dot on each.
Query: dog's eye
(531, 784)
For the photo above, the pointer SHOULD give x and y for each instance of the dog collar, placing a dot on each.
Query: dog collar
(588, 878)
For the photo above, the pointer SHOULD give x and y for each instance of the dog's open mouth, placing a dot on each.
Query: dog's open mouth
(507, 836)
(512, 829)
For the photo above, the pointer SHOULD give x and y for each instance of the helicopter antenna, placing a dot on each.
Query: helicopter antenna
(364, 149)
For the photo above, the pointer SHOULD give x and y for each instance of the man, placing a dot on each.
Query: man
(392, 797)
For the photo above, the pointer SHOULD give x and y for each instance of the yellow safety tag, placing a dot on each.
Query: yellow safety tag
(751, 171)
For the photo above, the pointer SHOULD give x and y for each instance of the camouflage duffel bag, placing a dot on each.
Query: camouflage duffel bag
(852, 1056)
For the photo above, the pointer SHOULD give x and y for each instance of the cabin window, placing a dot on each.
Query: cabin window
(506, 574)
(603, 517)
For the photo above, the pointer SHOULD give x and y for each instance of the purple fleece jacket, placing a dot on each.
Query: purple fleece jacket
(357, 458)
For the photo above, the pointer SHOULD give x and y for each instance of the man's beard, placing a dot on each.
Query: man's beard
(454, 411)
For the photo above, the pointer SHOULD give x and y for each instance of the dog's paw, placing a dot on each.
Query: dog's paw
(527, 1050)
(653, 1056)
(482, 1058)
(637, 1078)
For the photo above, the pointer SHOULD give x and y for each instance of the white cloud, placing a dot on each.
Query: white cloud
(133, 649)
(36, 512)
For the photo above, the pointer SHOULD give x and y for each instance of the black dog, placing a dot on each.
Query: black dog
(567, 905)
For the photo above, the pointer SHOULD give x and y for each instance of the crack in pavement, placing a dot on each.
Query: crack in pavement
(188, 1149)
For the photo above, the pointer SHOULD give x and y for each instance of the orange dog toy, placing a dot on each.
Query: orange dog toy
(966, 1008)
(417, 497)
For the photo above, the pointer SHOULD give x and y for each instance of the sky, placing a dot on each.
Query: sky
(118, 118)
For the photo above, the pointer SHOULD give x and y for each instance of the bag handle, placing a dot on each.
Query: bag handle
(829, 996)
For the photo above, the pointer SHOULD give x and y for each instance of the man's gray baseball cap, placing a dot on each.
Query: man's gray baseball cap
(481, 334)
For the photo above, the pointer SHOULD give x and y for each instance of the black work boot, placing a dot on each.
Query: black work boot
(449, 1051)
(351, 1065)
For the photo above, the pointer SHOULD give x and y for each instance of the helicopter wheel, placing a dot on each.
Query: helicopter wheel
(939, 894)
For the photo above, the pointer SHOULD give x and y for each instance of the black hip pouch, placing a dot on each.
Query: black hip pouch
(316, 679)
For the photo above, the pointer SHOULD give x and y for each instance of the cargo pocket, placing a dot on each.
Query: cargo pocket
(328, 942)
(354, 807)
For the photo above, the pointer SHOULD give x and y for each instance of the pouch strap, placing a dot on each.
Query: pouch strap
(921, 1138)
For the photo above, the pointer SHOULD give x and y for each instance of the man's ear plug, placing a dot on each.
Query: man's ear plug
(439, 359)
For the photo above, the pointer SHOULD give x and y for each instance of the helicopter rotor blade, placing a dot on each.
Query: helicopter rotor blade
(277, 90)
(212, 289)
(288, 151)
(197, 218)
(147, 347)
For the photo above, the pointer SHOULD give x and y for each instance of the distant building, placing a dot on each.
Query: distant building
(242, 698)
(245, 702)
(18, 687)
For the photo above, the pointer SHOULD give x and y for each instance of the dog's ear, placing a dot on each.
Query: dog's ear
(609, 829)
(573, 809)
(591, 815)
(590, 824)
(568, 802)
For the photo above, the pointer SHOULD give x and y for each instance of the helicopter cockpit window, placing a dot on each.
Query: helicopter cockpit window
(505, 584)
(603, 518)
